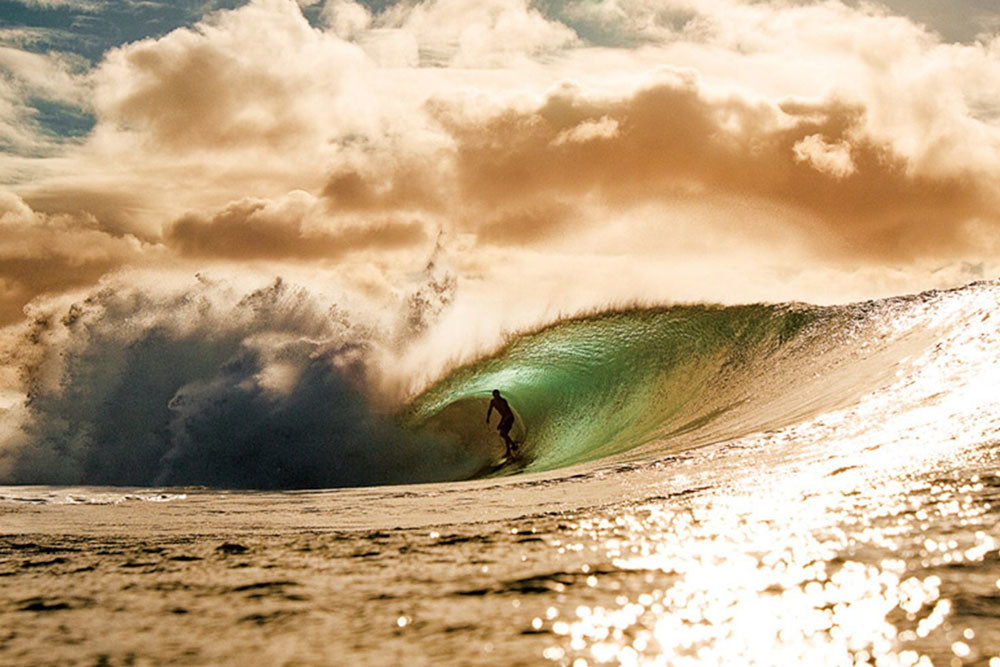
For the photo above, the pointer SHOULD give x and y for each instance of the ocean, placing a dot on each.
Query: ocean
(767, 484)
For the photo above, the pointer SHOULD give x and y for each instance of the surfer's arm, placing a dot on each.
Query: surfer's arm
(489, 413)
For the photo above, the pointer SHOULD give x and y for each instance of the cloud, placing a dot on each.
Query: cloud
(832, 158)
(249, 78)
(532, 223)
(113, 207)
(478, 33)
(347, 19)
(29, 79)
(260, 229)
(415, 183)
(248, 103)
(50, 75)
(49, 254)
(588, 130)
(83, 5)
(550, 130)
(674, 141)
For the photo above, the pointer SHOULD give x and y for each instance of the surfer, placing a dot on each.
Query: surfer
(506, 421)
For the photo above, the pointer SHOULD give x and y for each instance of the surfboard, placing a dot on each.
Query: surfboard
(506, 461)
(500, 464)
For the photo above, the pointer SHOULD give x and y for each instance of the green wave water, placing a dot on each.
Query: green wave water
(591, 387)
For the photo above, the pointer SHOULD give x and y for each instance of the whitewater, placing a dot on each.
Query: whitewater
(701, 484)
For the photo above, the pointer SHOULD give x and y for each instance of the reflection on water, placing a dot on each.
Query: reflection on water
(812, 559)
(782, 580)
(829, 557)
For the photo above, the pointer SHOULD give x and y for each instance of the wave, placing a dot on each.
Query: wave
(641, 384)
(269, 390)
(211, 387)
(591, 387)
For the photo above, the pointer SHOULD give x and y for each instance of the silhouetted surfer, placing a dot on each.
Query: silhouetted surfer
(506, 421)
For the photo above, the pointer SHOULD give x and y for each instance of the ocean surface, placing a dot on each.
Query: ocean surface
(768, 484)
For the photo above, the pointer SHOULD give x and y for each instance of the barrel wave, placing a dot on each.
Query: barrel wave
(641, 382)
(269, 390)
(596, 386)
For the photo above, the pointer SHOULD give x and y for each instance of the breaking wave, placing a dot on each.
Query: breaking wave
(209, 387)
(271, 390)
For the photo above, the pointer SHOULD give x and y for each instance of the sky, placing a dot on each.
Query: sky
(493, 164)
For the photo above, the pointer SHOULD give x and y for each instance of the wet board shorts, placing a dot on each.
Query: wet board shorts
(505, 423)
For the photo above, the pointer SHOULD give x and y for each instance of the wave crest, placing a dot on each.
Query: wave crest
(210, 387)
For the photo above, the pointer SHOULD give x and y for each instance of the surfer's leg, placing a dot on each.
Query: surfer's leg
(511, 445)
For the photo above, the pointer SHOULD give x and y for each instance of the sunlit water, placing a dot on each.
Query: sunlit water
(862, 534)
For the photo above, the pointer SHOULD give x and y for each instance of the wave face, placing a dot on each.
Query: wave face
(268, 390)
(591, 387)
(661, 380)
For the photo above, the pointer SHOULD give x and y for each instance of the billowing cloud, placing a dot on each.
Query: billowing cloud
(833, 158)
(488, 33)
(246, 78)
(48, 254)
(672, 141)
(791, 139)
(258, 229)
